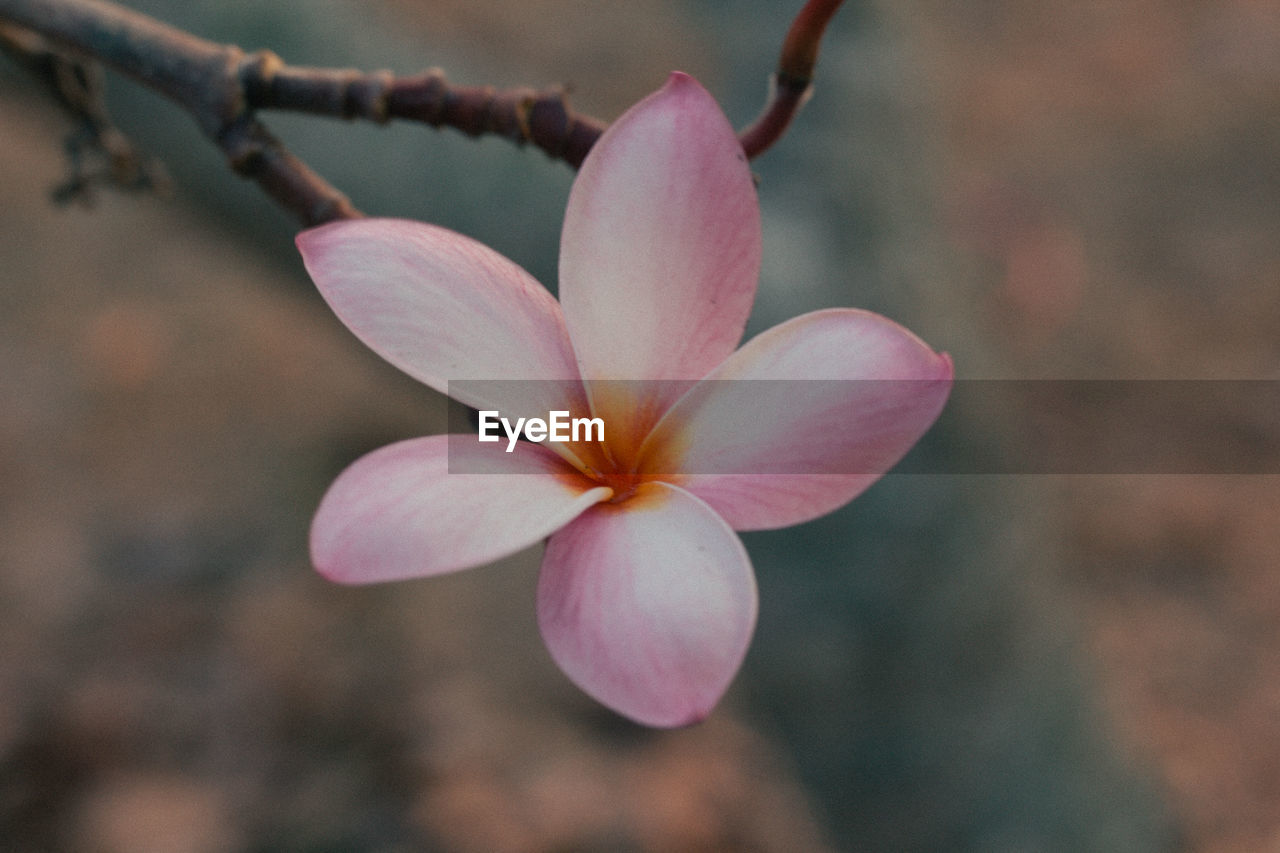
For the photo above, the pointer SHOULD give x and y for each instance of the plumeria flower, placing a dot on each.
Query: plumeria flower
(646, 597)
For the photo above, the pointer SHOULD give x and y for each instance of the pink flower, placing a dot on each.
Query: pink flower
(646, 597)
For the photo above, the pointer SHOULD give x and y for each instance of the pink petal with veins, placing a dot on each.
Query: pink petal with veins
(801, 419)
(661, 246)
(649, 605)
(399, 513)
(441, 306)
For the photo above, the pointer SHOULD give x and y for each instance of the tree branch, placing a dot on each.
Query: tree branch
(222, 88)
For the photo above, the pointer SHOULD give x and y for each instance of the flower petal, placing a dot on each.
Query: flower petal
(773, 453)
(398, 513)
(648, 605)
(441, 306)
(661, 246)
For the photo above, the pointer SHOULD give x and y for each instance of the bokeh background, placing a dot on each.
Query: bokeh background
(968, 663)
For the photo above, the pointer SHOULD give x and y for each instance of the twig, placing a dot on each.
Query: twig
(97, 151)
(198, 75)
(792, 83)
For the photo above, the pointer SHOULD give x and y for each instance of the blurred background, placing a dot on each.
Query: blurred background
(968, 663)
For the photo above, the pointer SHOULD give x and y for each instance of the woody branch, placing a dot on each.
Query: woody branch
(222, 87)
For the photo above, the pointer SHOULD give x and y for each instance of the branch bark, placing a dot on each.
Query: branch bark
(522, 115)
(222, 87)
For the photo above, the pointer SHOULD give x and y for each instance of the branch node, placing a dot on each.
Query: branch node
(548, 122)
(523, 109)
(254, 73)
(792, 84)
(368, 95)
(244, 149)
